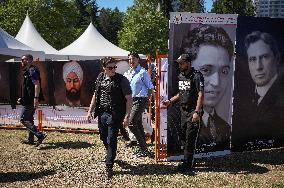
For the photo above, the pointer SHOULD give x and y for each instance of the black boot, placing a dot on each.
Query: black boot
(109, 172)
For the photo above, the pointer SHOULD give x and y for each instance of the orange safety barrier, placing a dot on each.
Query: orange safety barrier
(160, 148)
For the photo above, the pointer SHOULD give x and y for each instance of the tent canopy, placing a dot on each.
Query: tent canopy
(11, 48)
(29, 36)
(92, 45)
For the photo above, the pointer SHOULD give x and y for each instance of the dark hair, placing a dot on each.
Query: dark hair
(134, 54)
(206, 34)
(29, 56)
(107, 60)
(266, 38)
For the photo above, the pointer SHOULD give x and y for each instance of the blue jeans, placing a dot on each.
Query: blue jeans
(27, 119)
(108, 134)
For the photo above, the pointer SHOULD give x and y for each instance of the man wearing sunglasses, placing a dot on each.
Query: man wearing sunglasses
(112, 101)
(31, 94)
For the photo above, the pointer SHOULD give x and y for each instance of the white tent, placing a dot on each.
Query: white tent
(92, 45)
(11, 48)
(29, 36)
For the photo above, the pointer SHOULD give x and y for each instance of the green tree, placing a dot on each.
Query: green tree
(109, 23)
(194, 6)
(144, 29)
(88, 12)
(240, 7)
(54, 19)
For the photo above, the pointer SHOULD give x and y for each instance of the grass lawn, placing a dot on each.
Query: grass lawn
(75, 160)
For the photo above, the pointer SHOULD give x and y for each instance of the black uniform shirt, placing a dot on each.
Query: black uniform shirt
(189, 86)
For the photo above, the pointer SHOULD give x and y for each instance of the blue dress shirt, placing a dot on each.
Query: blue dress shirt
(140, 81)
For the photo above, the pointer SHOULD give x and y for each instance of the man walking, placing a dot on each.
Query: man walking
(141, 87)
(30, 96)
(112, 102)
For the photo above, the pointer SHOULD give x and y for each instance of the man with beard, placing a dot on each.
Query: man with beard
(31, 95)
(266, 109)
(190, 95)
(73, 78)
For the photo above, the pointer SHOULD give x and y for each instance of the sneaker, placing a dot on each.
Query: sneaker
(131, 144)
(28, 142)
(184, 167)
(40, 140)
(145, 153)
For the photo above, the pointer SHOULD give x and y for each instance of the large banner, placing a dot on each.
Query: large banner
(258, 118)
(5, 82)
(210, 38)
(74, 82)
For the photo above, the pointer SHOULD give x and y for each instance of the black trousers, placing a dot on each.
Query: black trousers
(135, 120)
(190, 132)
(27, 119)
(108, 134)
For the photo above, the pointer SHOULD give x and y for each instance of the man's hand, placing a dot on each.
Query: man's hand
(195, 117)
(166, 103)
(125, 122)
(19, 101)
(89, 117)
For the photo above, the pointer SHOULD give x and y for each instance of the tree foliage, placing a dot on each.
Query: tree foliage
(144, 28)
(194, 6)
(109, 23)
(54, 19)
(240, 7)
(88, 12)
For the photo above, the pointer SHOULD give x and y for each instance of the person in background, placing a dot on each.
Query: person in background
(141, 87)
(31, 95)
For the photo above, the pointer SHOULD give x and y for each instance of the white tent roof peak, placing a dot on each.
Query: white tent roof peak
(30, 36)
(10, 47)
(92, 43)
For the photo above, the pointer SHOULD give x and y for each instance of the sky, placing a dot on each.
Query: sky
(123, 4)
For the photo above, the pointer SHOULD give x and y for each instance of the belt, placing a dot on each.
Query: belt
(139, 98)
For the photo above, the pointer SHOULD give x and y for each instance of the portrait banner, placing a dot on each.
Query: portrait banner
(5, 82)
(74, 82)
(210, 40)
(258, 106)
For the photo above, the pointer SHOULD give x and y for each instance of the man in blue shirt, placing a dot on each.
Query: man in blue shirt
(141, 85)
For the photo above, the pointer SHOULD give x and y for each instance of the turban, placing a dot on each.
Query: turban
(72, 66)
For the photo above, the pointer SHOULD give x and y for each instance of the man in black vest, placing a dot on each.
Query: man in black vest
(30, 96)
(112, 101)
(191, 94)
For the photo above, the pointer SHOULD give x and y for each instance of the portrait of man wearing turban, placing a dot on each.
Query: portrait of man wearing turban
(73, 78)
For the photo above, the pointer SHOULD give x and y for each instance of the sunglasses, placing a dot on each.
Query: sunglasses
(111, 68)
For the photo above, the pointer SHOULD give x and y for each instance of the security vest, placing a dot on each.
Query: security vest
(117, 99)
(28, 88)
(188, 89)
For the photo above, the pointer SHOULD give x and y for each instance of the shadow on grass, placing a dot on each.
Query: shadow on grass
(236, 163)
(23, 176)
(243, 162)
(65, 145)
(147, 169)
